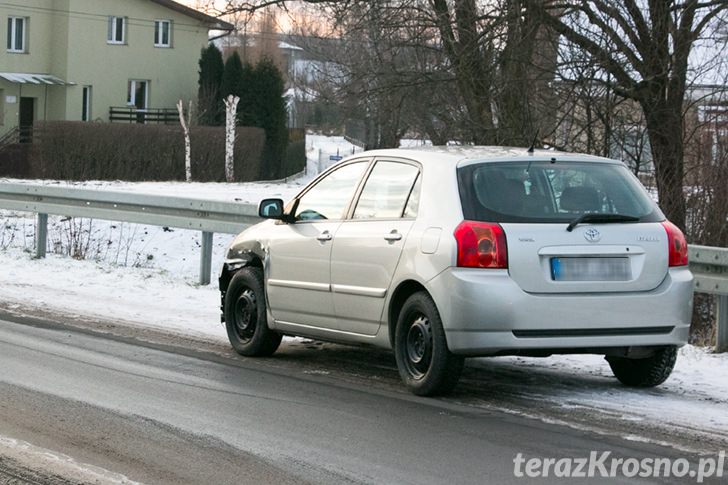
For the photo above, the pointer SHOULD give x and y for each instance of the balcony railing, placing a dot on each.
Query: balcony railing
(132, 114)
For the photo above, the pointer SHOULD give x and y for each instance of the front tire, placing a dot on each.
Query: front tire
(425, 364)
(246, 315)
(649, 372)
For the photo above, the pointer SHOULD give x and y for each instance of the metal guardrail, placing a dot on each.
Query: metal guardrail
(708, 264)
(206, 216)
(710, 268)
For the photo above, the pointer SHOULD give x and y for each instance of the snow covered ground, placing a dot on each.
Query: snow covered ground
(146, 276)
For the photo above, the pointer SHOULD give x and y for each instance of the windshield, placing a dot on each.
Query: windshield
(551, 192)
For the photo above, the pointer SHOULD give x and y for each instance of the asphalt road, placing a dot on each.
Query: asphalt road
(101, 409)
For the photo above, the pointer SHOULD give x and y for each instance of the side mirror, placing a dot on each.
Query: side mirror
(271, 209)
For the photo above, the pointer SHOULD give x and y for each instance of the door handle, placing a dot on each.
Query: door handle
(393, 236)
(325, 236)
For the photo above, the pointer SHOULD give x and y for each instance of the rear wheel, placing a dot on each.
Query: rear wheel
(649, 372)
(425, 364)
(246, 315)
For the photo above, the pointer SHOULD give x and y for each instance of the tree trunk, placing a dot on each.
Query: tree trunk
(516, 125)
(665, 130)
(186, 130)
(473, 71)
(231, 109)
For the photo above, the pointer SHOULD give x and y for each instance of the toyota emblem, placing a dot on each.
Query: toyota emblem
(592, 235)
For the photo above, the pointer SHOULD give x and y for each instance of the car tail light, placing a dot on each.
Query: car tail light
(677, 244)
(481, 245)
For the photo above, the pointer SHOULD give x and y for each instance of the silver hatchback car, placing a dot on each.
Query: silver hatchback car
(446, 253)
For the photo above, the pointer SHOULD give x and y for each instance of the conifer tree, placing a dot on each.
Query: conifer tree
(209, 99)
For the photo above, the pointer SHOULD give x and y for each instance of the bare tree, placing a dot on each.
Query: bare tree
(645, 47)
(461, 69)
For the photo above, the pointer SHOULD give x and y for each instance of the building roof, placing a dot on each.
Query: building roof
(212, 22)
(30, 78)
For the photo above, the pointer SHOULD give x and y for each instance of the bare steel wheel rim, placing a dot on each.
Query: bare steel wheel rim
(418, 346)
(246, 315)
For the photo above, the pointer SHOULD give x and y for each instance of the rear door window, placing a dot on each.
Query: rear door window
(387, 191)
(551, 192)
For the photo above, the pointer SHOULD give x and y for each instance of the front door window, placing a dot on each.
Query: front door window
(330, 197)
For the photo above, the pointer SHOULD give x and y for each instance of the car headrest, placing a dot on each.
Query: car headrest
(580, 199)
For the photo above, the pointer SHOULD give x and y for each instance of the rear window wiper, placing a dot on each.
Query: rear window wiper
(603, 218)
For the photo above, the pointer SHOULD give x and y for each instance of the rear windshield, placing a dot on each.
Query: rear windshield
(551, 192)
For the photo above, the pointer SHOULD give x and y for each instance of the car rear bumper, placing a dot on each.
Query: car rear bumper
(485, 312)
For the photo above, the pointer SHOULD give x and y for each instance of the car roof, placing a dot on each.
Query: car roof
(465, 155)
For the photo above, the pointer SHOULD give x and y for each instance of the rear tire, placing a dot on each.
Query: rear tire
(425, 364)
(246, 316)
(649, 372)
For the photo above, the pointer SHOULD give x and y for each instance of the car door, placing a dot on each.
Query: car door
(298, 269)
(368, 245)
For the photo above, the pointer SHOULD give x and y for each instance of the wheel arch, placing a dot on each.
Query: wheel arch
(230, 268)
(403, 291)
(240, 255)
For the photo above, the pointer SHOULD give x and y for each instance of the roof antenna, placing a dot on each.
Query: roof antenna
(531, 149)
(533, 143)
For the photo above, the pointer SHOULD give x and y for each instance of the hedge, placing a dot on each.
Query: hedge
(67, 150)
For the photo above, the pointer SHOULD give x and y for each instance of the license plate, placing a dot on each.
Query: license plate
(591, 269)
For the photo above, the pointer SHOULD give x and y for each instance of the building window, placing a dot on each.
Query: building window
(86, 104)
(16, 34)
(138, 94)
(117, 30)
(163, 33)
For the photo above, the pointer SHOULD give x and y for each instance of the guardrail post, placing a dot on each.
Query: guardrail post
(41, 235)
(721, 344)
(206, 258)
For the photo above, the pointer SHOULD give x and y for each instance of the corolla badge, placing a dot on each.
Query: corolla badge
(592, 235)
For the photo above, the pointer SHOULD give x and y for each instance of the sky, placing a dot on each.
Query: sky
(208, 6)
